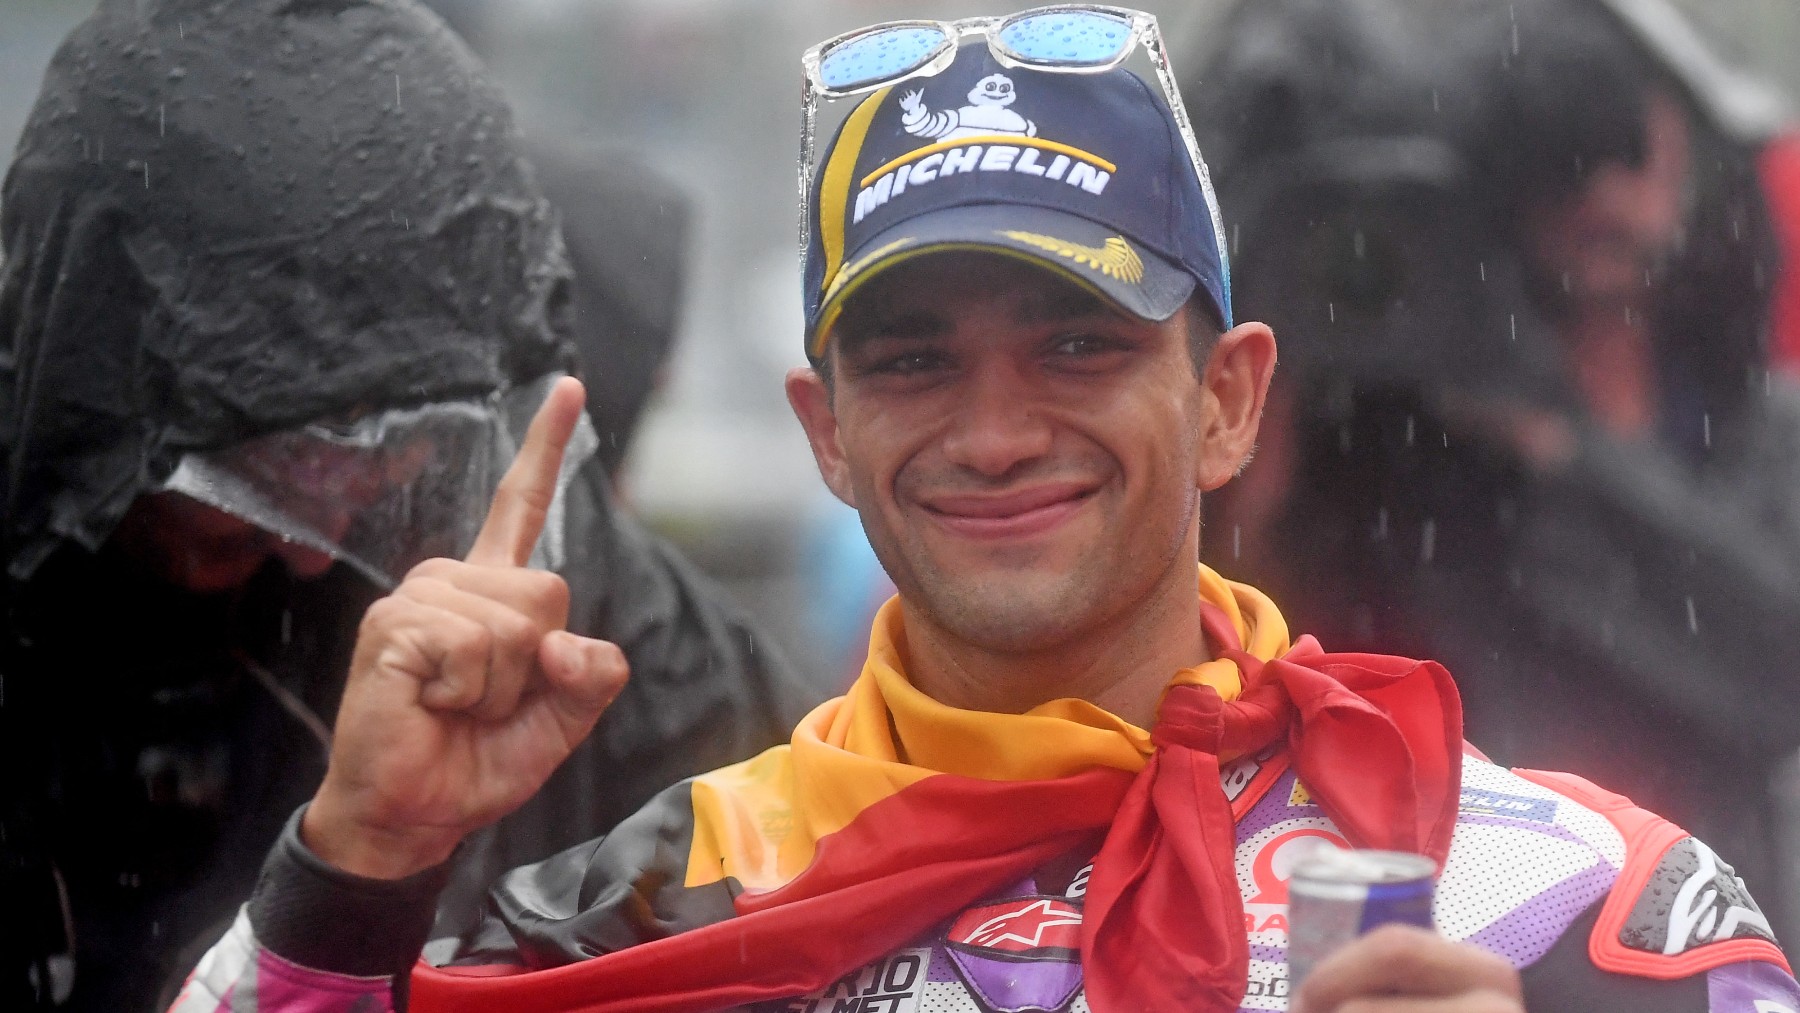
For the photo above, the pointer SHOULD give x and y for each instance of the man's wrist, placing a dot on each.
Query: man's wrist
(327, 919)
(359, 849)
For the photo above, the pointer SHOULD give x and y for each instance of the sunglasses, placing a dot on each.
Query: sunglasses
(1058, 39)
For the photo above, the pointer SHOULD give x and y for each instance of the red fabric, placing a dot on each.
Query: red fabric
(1779, 167)
(1377, 740)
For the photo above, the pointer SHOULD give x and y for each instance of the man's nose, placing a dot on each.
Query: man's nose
(997, 423)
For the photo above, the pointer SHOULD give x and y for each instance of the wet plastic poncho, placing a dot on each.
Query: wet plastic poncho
(227, 220)
(224, 220)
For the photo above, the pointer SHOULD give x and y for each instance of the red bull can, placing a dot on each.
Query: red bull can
(1336, 895)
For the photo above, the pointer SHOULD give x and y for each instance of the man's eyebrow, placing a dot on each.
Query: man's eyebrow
(891, 326)
(1061, 304)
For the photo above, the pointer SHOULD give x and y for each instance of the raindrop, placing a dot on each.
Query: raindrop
(1234, 238)
(1428, 541)
(1567, 285)
(1646, 277)
(1512, 322)
(1706, 429)
(1483, 266)
(1381, 524)
(162, 123)
(1411, 423)
(1628, 316)
(1237, 541)
(396, 92)
(1515, 39)
(146, 174)
(1331, 310)
(1435, 107)
(1737, 231)
(1360, 244)
(1693, 617)
(181, 29)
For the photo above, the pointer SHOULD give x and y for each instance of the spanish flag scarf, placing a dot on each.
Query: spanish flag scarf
(889, 812)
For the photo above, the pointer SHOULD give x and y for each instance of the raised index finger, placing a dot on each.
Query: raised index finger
(516, 517)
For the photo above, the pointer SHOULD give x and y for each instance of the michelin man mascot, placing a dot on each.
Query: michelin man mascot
(986, 113)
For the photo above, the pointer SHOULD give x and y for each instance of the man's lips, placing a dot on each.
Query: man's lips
(1015, 514)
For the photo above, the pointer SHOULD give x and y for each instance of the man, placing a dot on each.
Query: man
(1023, 384)
(275, 276)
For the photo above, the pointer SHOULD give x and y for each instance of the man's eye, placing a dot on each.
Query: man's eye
(1083, 345)
(906, 364)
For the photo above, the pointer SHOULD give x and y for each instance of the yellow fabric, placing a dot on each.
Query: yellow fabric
(759, 821)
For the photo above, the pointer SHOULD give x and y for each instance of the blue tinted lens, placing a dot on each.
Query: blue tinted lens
(1069, 38)
(878, 56)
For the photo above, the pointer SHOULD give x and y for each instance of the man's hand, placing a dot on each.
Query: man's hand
(1402, 969)
(465, 691)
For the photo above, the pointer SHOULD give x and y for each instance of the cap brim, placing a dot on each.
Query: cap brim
(1097, 258)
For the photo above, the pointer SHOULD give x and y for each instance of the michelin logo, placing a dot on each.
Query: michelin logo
(988, 116)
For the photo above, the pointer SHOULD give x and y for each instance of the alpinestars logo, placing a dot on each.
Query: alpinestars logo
(1019, 954)
(1036, 924)
(1692, 899)
(1009, 142)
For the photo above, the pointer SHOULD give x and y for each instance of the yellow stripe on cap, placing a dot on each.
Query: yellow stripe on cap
(834, 190)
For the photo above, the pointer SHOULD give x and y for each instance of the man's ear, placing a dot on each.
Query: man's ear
(811, 402)
(1237, 383)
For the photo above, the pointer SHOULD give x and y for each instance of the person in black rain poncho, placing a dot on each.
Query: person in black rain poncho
(278, 296)
(1523, 275)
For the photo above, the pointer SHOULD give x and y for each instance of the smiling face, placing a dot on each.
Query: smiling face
(993, 90)
(1027, 460)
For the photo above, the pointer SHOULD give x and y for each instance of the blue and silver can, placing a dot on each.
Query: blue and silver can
(1336, 895)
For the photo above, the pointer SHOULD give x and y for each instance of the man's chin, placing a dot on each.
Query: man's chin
(1012, 613)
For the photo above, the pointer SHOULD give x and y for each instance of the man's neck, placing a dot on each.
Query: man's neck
(1122, 666)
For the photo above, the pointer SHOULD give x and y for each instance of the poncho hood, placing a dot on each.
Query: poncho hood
(225, 219)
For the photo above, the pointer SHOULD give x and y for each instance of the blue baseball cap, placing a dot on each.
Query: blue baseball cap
(1086, 175)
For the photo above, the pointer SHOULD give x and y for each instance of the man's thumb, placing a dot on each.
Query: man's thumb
(584, 674)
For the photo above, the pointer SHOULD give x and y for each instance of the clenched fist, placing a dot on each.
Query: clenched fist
(465, 690)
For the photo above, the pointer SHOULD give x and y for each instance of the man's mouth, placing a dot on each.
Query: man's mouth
(1020, 513)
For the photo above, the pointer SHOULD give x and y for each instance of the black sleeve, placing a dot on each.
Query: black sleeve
(1566, 981)
(321, 917)
(1699, 575)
